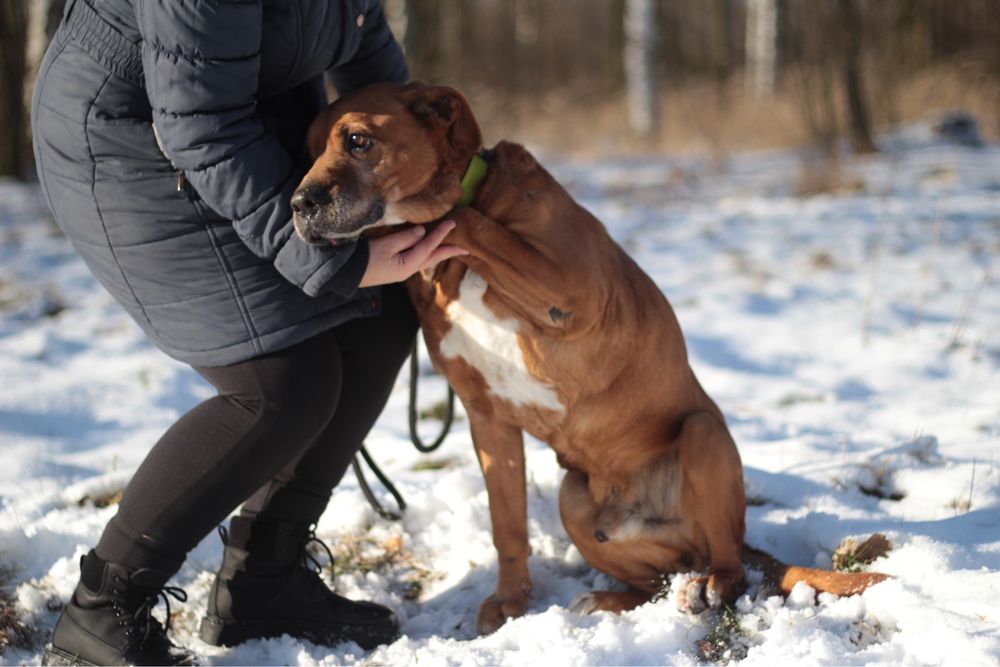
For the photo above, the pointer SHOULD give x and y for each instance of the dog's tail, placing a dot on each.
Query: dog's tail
(785, 576)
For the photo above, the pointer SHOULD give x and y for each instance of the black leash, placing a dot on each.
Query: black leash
(365, 489)
(447, 419)
(449, 411)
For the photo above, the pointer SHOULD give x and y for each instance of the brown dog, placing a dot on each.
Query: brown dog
(547, 326)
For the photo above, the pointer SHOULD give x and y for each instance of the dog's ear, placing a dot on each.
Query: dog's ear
(446, 110)
(319, 132)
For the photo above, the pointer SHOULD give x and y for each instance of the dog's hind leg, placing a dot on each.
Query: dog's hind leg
(627, 560)
(500, 449)
(713, 500)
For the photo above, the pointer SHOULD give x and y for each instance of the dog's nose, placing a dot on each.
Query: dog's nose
(308, 199)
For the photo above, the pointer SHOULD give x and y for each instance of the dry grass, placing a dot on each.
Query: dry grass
(14, 632)
(436, 464)
(874, 478)
(362, 553)
(102, 500)
(705, 118)
(436, 411)
(963, 504)
(726, 640)
(853, 556)
(961, 84)
(878, 480)
(696, 118)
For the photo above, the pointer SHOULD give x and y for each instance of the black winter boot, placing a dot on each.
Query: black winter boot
(109, 619)
(266, 588)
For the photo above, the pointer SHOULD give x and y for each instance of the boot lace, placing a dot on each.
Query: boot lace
(310, 561)
(299, 546)
(141, 627)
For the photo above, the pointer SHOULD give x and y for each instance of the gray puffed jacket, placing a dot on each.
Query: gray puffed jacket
(168, 137)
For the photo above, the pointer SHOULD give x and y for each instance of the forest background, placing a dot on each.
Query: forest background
(611, 77)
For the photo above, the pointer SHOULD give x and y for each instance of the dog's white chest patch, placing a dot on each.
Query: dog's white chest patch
(489, 344)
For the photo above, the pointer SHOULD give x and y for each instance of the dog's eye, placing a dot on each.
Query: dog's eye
(358, 143)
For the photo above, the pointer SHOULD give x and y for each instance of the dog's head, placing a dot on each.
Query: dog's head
(384, 155)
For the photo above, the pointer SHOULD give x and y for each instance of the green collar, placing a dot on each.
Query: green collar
(474, 175)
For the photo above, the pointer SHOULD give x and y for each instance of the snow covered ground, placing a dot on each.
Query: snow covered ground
(852, 339)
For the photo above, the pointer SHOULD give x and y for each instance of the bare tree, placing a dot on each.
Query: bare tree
(761, 48)
(858, 120)
(43, 19)
(420, 39)
(527, 31)
(640, 75)
(722, 41)
(13, 70)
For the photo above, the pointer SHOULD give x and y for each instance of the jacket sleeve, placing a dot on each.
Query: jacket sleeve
(378, 59)
(201, 60)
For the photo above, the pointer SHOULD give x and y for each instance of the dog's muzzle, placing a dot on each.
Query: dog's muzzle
(321, 217)
(307, 202)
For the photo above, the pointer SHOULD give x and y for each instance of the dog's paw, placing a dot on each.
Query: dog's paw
(710, 592)
(697, 596)
(494, 612)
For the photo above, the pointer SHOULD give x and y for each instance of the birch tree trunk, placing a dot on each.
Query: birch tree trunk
(761, 48)
(640, 72)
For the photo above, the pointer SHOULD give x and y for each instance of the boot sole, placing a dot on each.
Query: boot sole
(56, 657)
(217, 632)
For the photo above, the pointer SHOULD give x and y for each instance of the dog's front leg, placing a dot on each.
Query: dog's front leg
(500, 449)
(554, 297)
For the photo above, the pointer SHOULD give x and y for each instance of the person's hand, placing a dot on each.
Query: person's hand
(396, 257)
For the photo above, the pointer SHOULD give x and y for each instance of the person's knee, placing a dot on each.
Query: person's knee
(299, 400)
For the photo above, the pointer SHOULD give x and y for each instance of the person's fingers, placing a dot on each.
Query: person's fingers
(400, 241)
(416, 255)
(441, 253)
(397, 256)
(437, 234)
